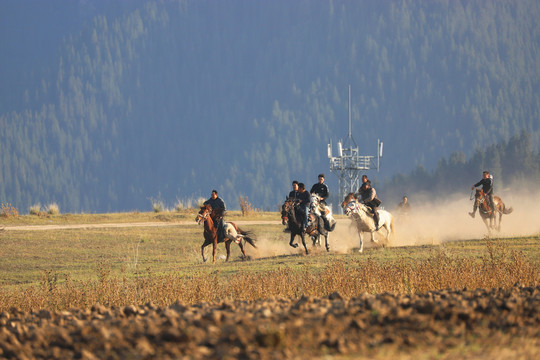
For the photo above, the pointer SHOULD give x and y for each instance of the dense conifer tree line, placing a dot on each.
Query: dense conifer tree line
(171, 99)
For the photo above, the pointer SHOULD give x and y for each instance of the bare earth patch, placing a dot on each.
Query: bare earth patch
(455, 323)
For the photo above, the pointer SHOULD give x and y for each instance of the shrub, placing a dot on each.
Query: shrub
(200, 201)
(247, 208)
(35, 209)
(179, 205)
(52, 209)
(9, 211)
(158, 206)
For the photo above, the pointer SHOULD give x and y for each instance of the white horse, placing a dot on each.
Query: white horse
(323, 210)
(359, 213)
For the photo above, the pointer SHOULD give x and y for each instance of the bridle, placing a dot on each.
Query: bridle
(351, 207)
(201, 217)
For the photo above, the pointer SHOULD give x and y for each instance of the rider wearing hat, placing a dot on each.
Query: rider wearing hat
(368, 197)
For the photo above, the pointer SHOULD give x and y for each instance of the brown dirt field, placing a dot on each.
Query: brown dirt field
(495, 324)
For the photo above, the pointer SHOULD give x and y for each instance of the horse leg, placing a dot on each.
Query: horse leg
(487, 226)
(500, 218)
(228, 248)
(316, 240)
(242, 249)
(373, 239)
(326, 244)
(291, 243)
(206, 243)
(361, 249)
(302, 236)
(214, 249)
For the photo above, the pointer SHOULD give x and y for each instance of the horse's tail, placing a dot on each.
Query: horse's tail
(331, 227)
(508, 211)
(392, 226)
(248, 236)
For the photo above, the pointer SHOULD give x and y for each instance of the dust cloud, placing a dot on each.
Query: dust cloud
(428, 223)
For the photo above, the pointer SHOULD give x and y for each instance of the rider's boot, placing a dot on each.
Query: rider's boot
(473, 211)
(376, 218)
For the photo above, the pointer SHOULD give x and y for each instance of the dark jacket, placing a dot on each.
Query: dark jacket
(369, 197)
(293, 195)
(487, 185)
(216, 203)
(321, 190)
(305, 198)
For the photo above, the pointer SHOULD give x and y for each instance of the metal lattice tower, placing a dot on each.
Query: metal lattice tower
(348, 163)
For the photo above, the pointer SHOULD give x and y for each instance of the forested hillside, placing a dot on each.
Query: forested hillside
(170, 99)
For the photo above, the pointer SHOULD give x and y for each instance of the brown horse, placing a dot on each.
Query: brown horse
(232, 232)
(290, 214)
(486, 212)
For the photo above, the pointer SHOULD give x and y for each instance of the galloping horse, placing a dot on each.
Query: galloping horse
(364, 221)
(485, 211)
(232, 232)
(325, 212)
(290, 213)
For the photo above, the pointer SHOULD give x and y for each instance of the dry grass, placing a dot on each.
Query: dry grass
(498, 267)
(60, 269)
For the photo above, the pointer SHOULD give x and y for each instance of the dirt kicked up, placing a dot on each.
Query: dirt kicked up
(492, 323)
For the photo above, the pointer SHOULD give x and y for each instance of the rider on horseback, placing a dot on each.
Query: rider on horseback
(294, 192)
(487, 187)
(321, 189)
(217, 203)
(364, 180)
(368, 197)
(305, 202)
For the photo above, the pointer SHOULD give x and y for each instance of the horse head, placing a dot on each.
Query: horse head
(315, 202)
(203, 214)
(351, 207)
(288, 210)
(350, 197)
(479, 196)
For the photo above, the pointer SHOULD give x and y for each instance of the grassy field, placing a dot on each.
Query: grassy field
(65, 268)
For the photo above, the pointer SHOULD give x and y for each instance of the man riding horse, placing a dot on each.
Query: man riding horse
(487, 187)
(368, 197)
(321, 190)
(217, 203)
(305, 202)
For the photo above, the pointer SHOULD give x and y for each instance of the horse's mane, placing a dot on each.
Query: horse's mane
(218, 212)
(350, 196)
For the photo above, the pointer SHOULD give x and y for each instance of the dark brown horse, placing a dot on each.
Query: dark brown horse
(290, 213)
(232, 232)
(486, 212)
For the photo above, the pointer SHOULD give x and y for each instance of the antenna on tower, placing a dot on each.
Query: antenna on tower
(348, 163)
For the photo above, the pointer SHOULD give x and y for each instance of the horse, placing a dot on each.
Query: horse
(232, 232)
(325, 212)
(486, 212)
(363, 219)
(290, 213)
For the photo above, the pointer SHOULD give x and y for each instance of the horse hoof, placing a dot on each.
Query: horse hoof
(294, 245)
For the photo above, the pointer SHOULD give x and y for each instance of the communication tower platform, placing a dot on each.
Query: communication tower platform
(348, 163)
